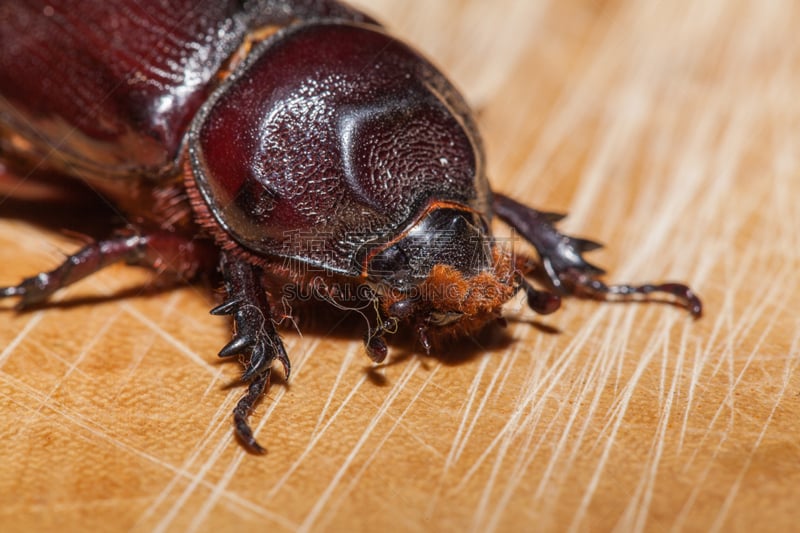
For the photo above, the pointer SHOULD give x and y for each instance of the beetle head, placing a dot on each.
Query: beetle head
(443, 274)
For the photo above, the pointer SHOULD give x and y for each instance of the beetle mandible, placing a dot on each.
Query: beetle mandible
(275, 140)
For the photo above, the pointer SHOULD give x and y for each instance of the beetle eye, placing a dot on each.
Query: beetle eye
(443, 319)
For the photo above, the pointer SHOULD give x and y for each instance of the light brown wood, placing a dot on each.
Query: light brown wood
(668, 130)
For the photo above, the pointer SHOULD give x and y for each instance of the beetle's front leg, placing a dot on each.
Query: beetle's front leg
(255, 338)
(563, 261)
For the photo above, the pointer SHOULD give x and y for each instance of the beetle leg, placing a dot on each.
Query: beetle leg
(255, 337)
(374, 342)
(163, 251)
(376, 348)
(243, 409)
(542, 302)
(563, 262)
(86, 261)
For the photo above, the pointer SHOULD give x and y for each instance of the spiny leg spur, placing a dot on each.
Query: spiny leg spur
(255, 338)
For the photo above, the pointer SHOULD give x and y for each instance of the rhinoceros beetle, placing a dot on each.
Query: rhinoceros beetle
(287, 143)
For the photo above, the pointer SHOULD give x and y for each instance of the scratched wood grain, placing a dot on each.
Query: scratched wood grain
(669, 130)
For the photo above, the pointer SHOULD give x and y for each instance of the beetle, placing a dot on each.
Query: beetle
(291, 144)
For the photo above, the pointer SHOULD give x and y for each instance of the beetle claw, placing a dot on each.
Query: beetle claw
(236, 345)
(243, 409)
(552, 218)
(258, 359)
(18, 290)
(585, 245)
(226, 308)
(283, 358)
(15, 290)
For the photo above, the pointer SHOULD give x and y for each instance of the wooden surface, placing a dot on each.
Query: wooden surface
(668, 130)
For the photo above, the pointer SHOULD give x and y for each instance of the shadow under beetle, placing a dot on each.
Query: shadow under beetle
(286, 143)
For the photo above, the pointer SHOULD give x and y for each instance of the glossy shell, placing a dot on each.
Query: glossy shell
(107, 89)
(113, 86)
(332, 136)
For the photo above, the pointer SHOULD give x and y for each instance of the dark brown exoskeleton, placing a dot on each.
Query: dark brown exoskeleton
(290, 143)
